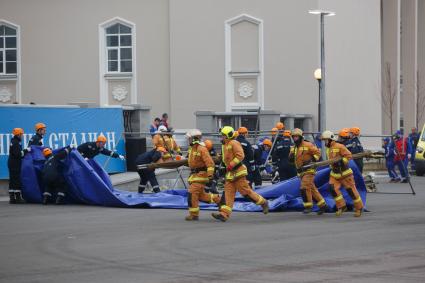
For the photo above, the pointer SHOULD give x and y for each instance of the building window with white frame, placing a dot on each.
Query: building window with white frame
(119, 48)
(8, 50)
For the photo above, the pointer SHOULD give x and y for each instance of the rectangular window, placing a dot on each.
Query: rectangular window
(8, 50)
(119, 48)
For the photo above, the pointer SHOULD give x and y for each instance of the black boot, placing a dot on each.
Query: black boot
(46, 198)
(60, 199)
(18, 197)
(12, 199)
(322, 210)
(156, 190)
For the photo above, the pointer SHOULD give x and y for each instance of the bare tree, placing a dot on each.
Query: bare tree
(389, 94)
(420, 100)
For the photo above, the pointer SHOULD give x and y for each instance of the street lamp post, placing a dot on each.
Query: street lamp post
(322, 89)
(318, 77)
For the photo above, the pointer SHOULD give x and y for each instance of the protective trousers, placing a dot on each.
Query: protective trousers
(145, 177)
(58, 186)
(402, 167)
(197, 193)
(309, 192)
(238, 185)
(286, 170)
(350, 186)
(391, 169)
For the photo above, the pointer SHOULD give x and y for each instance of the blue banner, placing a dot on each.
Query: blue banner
(65, 126)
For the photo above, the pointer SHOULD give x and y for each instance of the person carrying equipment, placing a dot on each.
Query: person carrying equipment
(248, 161)
(259, 150)
(304, 153)
(235, 178)
(161, 139)
(52, 177)
(389, 153)
(148, 175)
(341, 175)
(280, 156)
(90, 149)
(14, 165)
(201, 166)
(37, 139)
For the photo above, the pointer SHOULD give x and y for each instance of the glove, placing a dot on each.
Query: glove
(121, 157)
(28, 149)
(229, 168)
(253, 168)
(85, 158)
(262, 167)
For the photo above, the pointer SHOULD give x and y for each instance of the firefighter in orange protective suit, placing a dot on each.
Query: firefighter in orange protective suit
(235, 177)
(304, 153)
(341, 175)
(162, 139)
(202, 166)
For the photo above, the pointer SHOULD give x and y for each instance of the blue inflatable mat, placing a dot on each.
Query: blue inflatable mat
(90, 184)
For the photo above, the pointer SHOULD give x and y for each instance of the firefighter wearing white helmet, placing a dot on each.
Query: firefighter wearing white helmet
(202, 167)
(235, 178)
(161, 139)
(341, 175)
(304, 153)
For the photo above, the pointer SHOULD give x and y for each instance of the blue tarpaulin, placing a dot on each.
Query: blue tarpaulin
(90, 184)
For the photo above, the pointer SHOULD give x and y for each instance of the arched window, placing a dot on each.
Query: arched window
(8, 50)
(119, 48)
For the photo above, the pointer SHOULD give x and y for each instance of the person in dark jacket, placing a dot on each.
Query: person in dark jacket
(14, 164)
(52, 176)
(280, 156)
(90, 149)
(248, 161)
(40, 131)
(259, 150)
(148, 175)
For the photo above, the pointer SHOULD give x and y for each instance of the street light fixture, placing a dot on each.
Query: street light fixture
(318, 77)
(322, 101)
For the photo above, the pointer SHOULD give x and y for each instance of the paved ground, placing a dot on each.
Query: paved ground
(97, 244)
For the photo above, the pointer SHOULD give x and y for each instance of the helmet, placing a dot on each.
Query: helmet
(280, 126)
(386, 140)
(242, 130)
(17, 131)
(208, 144)
(268, 142)
(39, 126)
(101, 138)
(47, 151)
(355, 131)
(274, 131)
(287, 133)
(344, 133)
(161, 149)
(328, 135)
(162, 128)
(193, 133)
(228, 132)
(297, 132)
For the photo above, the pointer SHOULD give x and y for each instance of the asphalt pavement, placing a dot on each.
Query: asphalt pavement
(76, 243)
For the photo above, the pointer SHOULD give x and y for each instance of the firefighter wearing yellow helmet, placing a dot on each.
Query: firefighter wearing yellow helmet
(235, 177)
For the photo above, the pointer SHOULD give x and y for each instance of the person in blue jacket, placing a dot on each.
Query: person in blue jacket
(413, 140)
(389, 152)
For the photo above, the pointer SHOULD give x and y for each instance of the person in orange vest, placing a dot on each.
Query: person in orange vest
(304, 153)
(341, 175)
(162, 139)
(235, 176)
(201, 166)
(211, 187)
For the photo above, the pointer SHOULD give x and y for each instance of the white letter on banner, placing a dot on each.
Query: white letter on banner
(83, 138)
(8, 138)
(92, 136)
(25, 140)
(73, 139)
(51, 144)
(111, 140)
(64, 138)
(2, 144)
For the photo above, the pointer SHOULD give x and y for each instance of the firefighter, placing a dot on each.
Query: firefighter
(389, 153)
(148, 175)
(202, 172)
(259, 150)
(37, 139)
(171, 145)
(52, 177)
(354, 145)
(161, 139)
(280, 127)
(90, 149)
(211, 187)
(341, 175)
(401, 149)
(16, 153)
(248, 161)
(280, 156)
(304, 153)
(235, 177)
